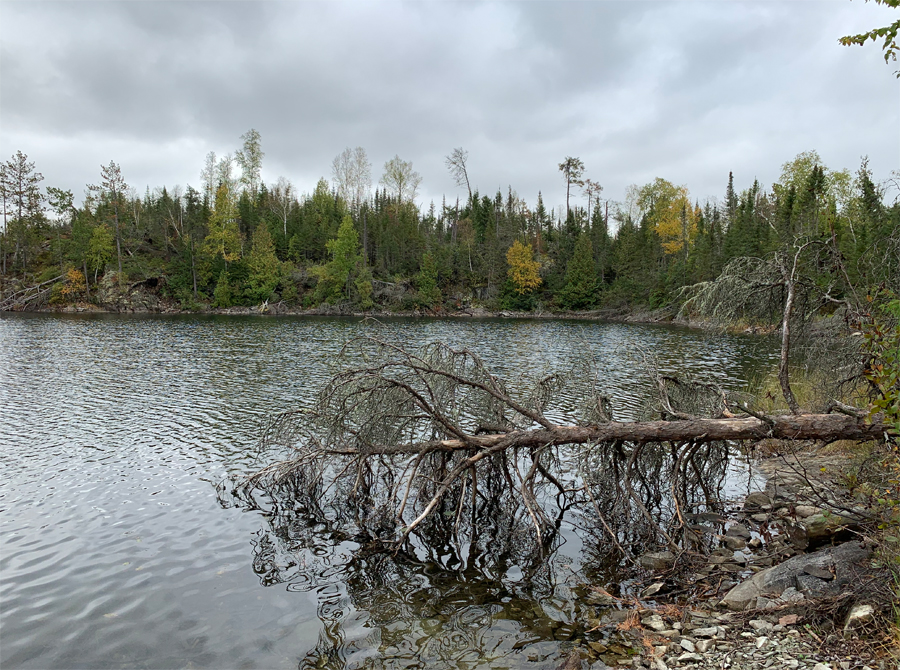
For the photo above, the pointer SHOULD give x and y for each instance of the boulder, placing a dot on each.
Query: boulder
(658, 560)
(772, 582)
(757, 500)
(820, 527)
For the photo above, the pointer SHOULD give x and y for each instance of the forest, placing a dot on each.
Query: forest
(239, 241)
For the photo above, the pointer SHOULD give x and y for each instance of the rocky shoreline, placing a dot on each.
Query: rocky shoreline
(793, 585)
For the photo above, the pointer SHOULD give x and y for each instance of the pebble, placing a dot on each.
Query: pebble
(711, 631)
(704, 646)
(687, 645)
(688, 657)
(761, 626)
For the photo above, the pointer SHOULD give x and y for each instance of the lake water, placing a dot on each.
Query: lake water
(114, 431)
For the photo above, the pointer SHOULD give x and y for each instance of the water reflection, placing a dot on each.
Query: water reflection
(116, 552)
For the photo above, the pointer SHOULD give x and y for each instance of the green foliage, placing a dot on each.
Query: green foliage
(224, 238)
(100, 248)
(334, 277)
(580, 291)
(887, 33)
(882, 346)
(429, 294)
(264, 267)
(223, 293)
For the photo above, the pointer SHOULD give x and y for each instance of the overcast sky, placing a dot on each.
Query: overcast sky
(681, 90)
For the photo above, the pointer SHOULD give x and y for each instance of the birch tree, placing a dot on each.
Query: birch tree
(352, 176)
(400, 179)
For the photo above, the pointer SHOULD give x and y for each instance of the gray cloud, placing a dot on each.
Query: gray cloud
(686, 91)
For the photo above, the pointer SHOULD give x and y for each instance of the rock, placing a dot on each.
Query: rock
(821, 666)
(791, 595)
(704, 646)
(804, 511)
(858, 615)
(688, 657)
(821, 573)
(658, 560)
(756, 500)
(760, 518)
(710, 631)
(813, 587)
(761, 642)
(760, 626)
(572, 662)
(775, 580)
(687, 645)
(733, 543)
(653, 589)
(669, 633)
(655, 622)
(755, 543)
(788, 620)
(738, 530)
(820, 527)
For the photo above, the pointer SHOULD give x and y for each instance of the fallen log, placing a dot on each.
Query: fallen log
(827, 427)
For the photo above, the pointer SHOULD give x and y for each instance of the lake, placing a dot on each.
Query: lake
(116, 551)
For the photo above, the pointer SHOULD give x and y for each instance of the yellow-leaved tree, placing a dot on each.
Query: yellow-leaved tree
(523, 269)
(669, 208)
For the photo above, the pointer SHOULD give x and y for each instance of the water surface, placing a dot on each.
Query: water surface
(115, 553)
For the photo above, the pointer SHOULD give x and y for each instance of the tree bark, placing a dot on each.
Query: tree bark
(828, 427)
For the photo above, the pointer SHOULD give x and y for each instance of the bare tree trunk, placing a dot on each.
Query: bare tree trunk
(789, 427)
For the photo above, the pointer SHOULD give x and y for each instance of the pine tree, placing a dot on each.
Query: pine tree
(580, 291)
(264, 266)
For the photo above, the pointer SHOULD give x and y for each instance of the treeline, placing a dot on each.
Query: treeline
(239, 241)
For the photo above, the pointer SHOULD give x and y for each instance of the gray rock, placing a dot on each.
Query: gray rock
(804, 511)
(687, 645)
(821, 573)
(759, 518)
(655, 622)
(813, 587)
(756, 500)
(733, 543)
(760, 626)
(774, 580)
(858, 615)
(653, 589)
(704, 646)
(791, 595)
(710, 631)
(820, 527)
(657, 560)
(738, 530)
(689, 657)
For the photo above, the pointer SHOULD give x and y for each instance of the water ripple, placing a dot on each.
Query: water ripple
(116, 554)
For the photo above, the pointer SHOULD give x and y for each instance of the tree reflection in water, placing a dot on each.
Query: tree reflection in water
(478, 589)
(453, 557)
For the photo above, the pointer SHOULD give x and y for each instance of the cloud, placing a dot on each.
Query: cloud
(687, 91)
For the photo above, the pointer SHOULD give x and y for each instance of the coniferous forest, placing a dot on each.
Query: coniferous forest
(356, 246)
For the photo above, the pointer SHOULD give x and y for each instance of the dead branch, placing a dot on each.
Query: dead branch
(396, 449)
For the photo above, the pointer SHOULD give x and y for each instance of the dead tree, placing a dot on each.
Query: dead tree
(431, 445)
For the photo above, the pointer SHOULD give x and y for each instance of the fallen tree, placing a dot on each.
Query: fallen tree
(431, 444)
